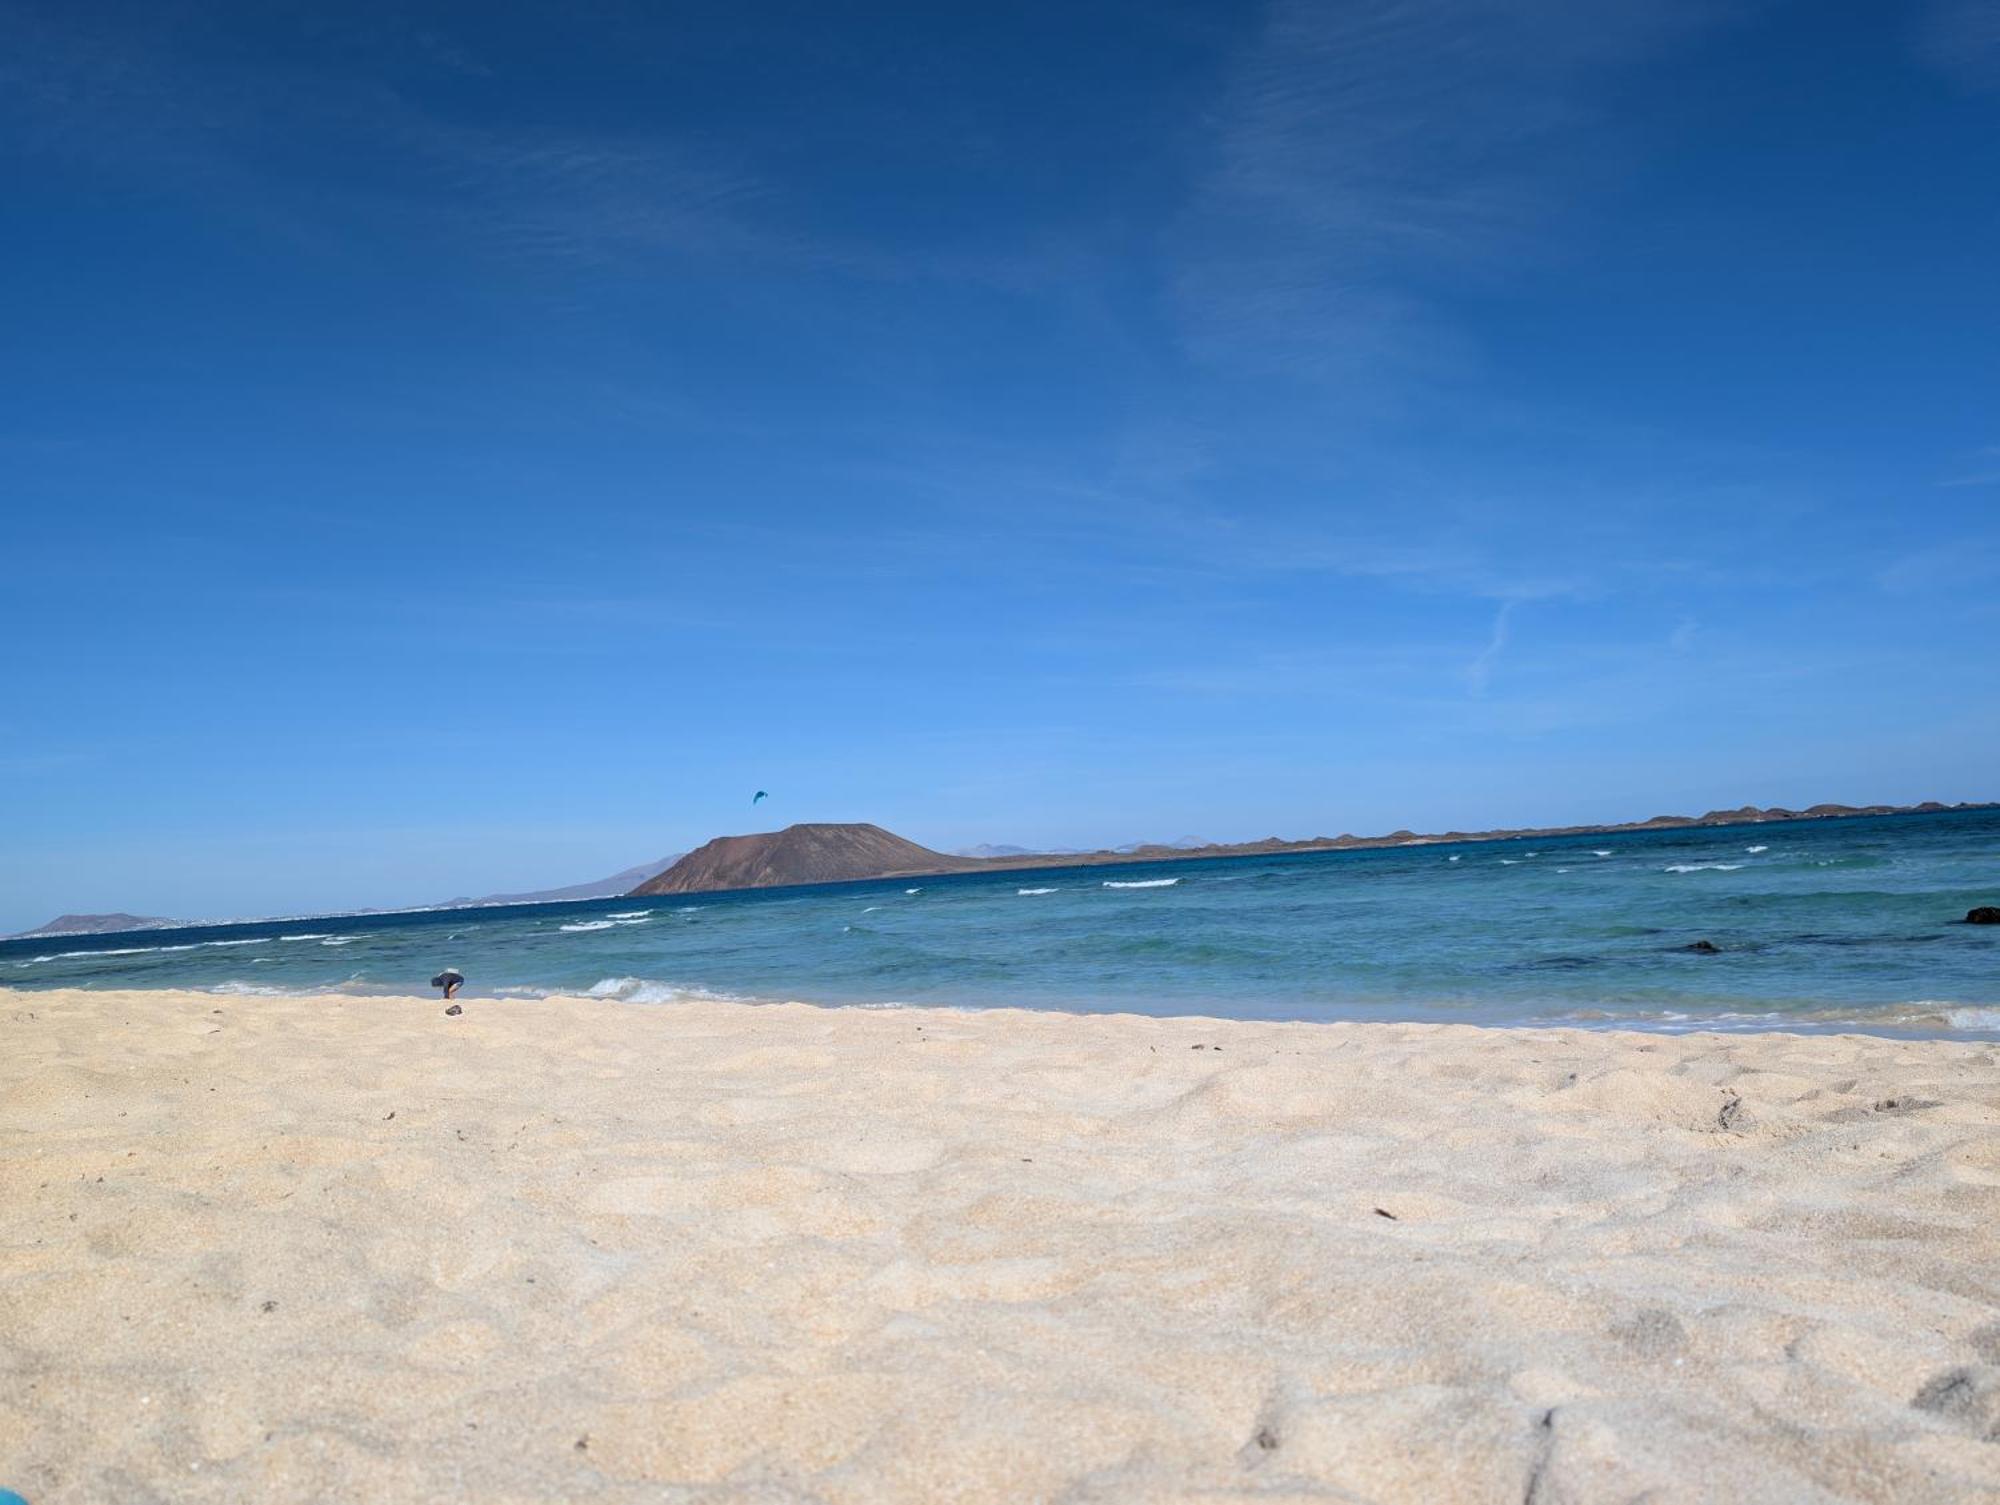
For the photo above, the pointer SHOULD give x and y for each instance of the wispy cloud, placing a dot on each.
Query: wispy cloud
(1479, 673)
(1984, 470)
(1961, 39)
(339, 159)
(1363, 153)
(1380, 671)
(27, 764)
(1955, 565)
(388, 148)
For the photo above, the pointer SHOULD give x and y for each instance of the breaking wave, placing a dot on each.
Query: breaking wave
(1701, 867)
(646, 990)
(1025, 892)
(133, 951)
(1144, 883)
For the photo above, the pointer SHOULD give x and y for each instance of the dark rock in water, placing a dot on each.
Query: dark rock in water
(1557, 963)
(1986, 914)
(455, 1009)
(1706, 948)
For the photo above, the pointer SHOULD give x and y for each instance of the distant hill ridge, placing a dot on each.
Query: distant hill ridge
(848, 853)
(601, 888)
(95, 924)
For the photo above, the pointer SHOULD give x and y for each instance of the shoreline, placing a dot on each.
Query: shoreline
(1916, 1021)
(346, 1245)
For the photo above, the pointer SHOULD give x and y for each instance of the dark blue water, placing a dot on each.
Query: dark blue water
(1821, 924)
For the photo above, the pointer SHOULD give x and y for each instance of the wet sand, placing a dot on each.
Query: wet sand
(289, 1249)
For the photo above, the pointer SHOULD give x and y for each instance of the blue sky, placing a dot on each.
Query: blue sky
(464, 447)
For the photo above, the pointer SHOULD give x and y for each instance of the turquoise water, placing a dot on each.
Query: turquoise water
(1821, 924)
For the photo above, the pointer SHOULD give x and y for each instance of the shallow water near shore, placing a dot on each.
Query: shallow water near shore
(1833, 924)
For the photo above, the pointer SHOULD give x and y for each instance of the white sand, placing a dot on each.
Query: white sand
(275, 1249)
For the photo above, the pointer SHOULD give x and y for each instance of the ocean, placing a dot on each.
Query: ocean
(1830, 924)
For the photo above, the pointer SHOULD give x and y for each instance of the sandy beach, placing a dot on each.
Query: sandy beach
(289, 1249)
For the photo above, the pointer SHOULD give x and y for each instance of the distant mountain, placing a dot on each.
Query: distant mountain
(95, 924)
(602, 888)
(988, 850)
(1178, 844)
(824, 853)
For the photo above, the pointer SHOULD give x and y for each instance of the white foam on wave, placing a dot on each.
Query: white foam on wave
(314, 935)
(588, 925)
(630, 914)
(912, 890)
(1970, 1018)
(338, 940)
(1144, 883)
(1454, 857)
(1756, 849)
(1701, 867)
(871, 909)
(1599, 852)
(1025, 892)
(248, 990)
(1510, 862)
(58, 956)
(648, 990)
